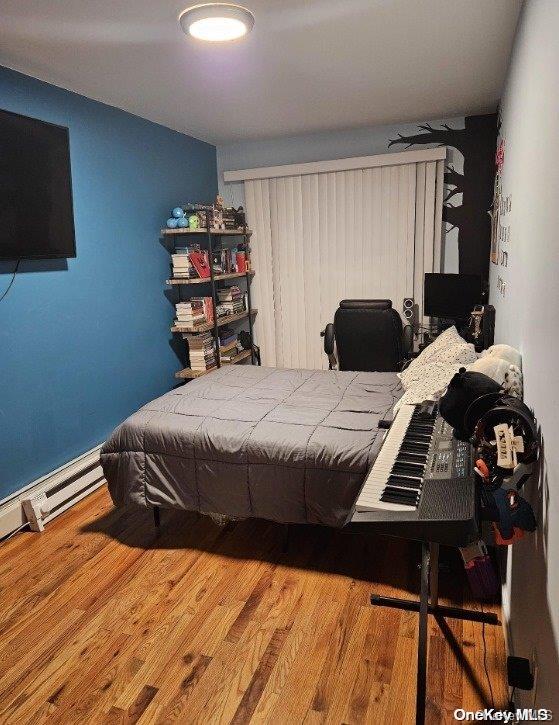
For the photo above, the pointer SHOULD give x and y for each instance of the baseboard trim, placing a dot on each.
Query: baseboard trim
(63, 487)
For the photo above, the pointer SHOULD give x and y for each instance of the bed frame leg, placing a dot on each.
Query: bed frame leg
(156, 517)
(285, 543)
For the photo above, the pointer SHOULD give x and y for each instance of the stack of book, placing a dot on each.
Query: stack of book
(231, 300)
(229, 355)
(228, 344)
(182, 266)
(208, 305)
(190, 262)
(201, 351)
(191, 313)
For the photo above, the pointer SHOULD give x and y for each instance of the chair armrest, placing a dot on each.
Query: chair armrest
(328, 335)
(329, 343)
(407, 341)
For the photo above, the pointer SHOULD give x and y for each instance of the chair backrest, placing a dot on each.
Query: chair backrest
(368, 335)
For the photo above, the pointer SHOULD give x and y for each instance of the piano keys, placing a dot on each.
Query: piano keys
(396, 479)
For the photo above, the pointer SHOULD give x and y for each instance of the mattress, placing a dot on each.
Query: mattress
(291, 446)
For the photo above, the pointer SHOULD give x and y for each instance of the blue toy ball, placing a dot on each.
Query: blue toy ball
(182, 222)
(178, 212)
(172, 223)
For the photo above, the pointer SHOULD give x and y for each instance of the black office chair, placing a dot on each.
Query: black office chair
(367, 335)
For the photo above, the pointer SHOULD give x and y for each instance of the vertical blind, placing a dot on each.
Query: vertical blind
(323, 237)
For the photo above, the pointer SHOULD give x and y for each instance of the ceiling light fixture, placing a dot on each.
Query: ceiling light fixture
(216, 22)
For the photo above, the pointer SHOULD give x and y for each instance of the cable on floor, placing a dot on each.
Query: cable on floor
(485, 660)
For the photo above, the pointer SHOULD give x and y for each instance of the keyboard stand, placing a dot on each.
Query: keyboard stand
(428, 604)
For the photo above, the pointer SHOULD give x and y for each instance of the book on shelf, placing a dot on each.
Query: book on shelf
(229, 352)
(193, 324)
(190, 313)
(227, 338)
(191, 262)
(184, 273)
(232, 308)
(233, 348)
(241, 261)
(193, 305)
(231, 300)
(201, 351)
(200, 263)
(182, 266)
(229, 293)
(198, 341)
(207, 306)
(206, 364)
(229, 357)
(224, 261)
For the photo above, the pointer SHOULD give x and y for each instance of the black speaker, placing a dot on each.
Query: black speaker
(409, 310)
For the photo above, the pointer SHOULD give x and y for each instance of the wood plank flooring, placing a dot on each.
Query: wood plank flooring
(103, 620)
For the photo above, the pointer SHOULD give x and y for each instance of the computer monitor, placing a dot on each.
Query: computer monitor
(451, 296)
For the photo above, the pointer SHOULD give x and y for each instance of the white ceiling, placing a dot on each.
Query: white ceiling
(308, 65)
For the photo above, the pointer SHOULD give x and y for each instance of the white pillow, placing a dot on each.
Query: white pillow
(449, 337)
(454, 350)
(434, 380)
(501, 371)
(505, 352)
(446, 339)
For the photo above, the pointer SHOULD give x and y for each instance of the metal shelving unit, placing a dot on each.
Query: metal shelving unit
(214, 279)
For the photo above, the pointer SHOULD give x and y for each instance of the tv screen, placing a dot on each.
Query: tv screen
(36, 215)
(452, 296)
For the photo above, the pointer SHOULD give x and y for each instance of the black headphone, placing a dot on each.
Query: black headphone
(489, 410)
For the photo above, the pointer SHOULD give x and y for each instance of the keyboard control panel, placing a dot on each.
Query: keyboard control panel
(449, 458)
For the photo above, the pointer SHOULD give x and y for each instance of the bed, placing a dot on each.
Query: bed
(291, 446)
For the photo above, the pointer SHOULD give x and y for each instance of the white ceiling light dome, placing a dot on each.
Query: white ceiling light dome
(216, 22)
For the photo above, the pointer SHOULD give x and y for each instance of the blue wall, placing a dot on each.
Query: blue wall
(84, 343)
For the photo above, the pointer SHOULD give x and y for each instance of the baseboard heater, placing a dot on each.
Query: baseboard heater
(47, 497)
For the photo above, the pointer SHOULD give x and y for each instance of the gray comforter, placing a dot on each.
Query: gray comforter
(287, 445)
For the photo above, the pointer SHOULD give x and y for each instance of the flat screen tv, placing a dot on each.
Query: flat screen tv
(36, 214)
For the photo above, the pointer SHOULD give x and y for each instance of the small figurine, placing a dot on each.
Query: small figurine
(217, 219)
(240, 218)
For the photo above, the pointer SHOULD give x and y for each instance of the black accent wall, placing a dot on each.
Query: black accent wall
(476, 142)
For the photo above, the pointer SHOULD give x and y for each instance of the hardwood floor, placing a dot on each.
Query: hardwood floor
(102, 620)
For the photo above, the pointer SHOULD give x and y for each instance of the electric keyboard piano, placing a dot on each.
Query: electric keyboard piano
(422, 485)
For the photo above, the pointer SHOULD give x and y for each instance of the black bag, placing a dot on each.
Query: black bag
(463, 389)
(246, 343)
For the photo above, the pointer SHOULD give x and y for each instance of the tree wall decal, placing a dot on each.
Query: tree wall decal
(476, 142)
